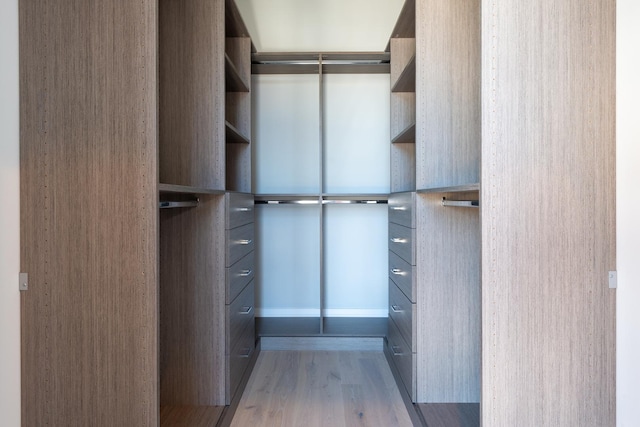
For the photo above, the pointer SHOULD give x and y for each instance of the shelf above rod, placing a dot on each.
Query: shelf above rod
(461, 203)
(181, 204)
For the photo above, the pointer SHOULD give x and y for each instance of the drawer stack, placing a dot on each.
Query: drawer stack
(401, 336)
(239, 261)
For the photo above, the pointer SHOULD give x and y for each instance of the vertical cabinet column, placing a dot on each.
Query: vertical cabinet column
(239, 293)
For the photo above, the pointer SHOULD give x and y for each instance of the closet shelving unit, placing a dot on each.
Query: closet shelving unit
(434, 283)
(207, 333)
(320, 64)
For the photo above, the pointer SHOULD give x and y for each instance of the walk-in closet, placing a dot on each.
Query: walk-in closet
(423, 184)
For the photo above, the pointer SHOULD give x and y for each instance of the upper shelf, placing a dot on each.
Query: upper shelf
(465, 188)
(233, 81)
(408, 135)
(407, 80)
(186, 189)
(406, 24)
(233, 135)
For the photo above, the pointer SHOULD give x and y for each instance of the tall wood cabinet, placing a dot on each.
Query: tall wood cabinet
(508, 305)
(135, 317)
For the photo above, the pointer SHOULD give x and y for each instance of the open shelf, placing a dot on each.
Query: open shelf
(453, 189)
(233, 135)
(233, 81)
(407, 135)
(407, 80)
(185, 189)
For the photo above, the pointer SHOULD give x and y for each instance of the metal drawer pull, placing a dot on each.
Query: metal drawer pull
(243, 209)
(398, 240)
(245, 353)
(246, 310)
(399, 208)
(396, 350)
(396, 309)
(397, 271)
(245, 273)
(244, 241)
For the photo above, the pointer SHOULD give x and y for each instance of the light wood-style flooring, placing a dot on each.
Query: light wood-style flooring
(321, 388)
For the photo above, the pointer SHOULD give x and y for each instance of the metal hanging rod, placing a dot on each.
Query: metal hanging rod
(302, 58)
(320, 63)
(181, 204)
(461, 203)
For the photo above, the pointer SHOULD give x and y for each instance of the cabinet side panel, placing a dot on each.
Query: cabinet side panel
(191, 90)
(89, 212)
(448, 301)
(548, 213)
(447, 92)
(192, 304)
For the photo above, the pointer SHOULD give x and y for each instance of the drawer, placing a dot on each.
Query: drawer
(238, 209)
(238, 276)
(239, 243)
(403, 274)
(402, 311)
(238, 360)
(239, 314)
(402, 209)
(402, 242)
(403, 359)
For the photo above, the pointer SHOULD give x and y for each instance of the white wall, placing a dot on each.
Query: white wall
(628, 212)
(9, 218)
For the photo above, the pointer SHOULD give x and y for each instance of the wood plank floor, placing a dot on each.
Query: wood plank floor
(321, 388)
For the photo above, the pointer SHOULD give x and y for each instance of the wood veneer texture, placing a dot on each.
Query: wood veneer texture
(192, 304)
(192, 92)
(448, 92)
(548, 213)
(448, 300)
(88, 212)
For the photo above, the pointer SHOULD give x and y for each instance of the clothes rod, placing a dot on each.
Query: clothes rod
(183, 204)
(324, 202)
(461, 203)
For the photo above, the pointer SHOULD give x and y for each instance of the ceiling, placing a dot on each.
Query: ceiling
(320, 25)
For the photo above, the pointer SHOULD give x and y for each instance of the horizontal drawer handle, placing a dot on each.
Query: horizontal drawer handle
(244, 241)
(245, 273)
(243, 210)
(245, 353)
(398, 208)
(398, 240)
(246, 310)
(396, 309)
(397, 351)
(397, 272)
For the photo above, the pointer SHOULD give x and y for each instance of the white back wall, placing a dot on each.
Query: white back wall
(628, 213)
(9, 218)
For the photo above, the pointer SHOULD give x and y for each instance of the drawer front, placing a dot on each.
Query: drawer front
(239, 243)
(401, 310)
(238, 276)
(402, 273)
(238, 360)
(239, 209)
(403, 358)
(402, 242)
(402, 209)
(239, 313)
